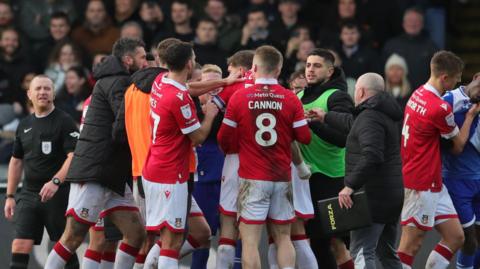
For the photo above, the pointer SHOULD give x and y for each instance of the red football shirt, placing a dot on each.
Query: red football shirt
(268, 118)
(427, 117)
(223, 97)
(173, 116)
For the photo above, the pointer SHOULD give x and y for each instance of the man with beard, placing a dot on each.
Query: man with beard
(326, 153)
(101, 165)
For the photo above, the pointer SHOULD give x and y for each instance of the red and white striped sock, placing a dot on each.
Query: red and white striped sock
(168, 259)
(126, 256)
(439, 258)
(58, 257)
(305, 259)
(407, 260)
(225, 253)
(91, 259)
(152, 257)
(189, 246)
(139, 261)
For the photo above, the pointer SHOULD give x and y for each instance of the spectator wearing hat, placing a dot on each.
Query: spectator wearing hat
(396, 81)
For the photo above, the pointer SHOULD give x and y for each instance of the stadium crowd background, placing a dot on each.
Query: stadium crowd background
(64, 38)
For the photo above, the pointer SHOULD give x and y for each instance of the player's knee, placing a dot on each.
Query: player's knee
(455, 240)
(96, 243)
(136, 235)
(74, 233)
(22, 246)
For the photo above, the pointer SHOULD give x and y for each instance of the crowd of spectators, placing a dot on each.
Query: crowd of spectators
(64, 38)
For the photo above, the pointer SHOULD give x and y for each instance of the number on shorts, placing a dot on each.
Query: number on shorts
(156, 121)
(266, 129)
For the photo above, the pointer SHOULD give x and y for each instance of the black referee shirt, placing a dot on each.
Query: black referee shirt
(43, 144)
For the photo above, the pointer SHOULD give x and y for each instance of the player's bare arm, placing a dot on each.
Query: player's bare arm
(15, 168)
(201, 87)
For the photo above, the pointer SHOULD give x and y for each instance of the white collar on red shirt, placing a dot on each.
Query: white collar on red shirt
(266, 81)
(176, 84)
(432, 89)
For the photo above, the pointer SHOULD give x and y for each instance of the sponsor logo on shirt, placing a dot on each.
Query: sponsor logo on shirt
(180, 96)
(26, 130)
(75, 134)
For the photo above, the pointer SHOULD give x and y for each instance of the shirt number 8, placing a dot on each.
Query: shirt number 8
(266, 129)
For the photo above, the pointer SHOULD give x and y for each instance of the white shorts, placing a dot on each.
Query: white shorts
(166, 206)
(195, 210)
(90, 201)
(259, 200)
(229, 186)
(425, 209)
(302, 200)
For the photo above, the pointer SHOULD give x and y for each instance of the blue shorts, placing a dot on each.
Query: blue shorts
(465, 194)
(207, 195)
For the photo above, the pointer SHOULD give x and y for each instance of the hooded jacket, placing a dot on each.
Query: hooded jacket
(339, 102)
(136, 108)
(102, 154)
(373, 156)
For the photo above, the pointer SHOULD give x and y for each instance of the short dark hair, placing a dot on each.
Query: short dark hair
(269, 57)
(60, 15)
(163, 45)
(325, 54)
(256, 10)
(349, 24)
(243, 58)
(446, 62)
(177, 55)
(183, 2)
(207, 20)
(125, 46)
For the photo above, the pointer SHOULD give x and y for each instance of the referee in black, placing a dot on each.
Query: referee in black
(43, 148)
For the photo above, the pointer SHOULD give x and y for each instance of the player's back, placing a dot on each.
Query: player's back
(427, 117)
(172, 116)
(266, 114)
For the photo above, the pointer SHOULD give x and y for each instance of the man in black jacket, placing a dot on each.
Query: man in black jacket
(325, 154)
(101, 165)
(373, 163)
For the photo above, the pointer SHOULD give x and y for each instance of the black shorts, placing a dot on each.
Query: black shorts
(31, 215)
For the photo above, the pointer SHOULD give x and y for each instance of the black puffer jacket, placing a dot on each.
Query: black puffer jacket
(102, 153)
(373, 156)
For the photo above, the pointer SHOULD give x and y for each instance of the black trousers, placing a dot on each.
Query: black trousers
(323, 187)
